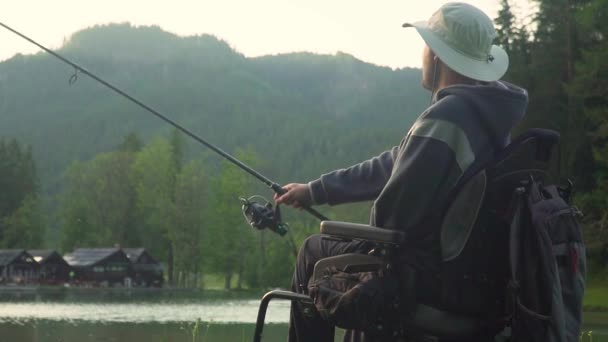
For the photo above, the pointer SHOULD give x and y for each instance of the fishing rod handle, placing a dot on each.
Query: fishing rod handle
(280, 191)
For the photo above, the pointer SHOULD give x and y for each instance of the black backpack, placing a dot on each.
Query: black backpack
(530, 243)
(547, 264)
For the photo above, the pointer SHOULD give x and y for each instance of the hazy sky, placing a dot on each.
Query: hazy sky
(369, 30)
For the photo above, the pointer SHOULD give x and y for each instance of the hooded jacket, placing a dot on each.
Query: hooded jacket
(463, 129)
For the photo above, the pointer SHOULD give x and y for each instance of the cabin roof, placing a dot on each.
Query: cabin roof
(40, 255)
(43, 255)
(8, 255)
(134, 253)
(89, 256)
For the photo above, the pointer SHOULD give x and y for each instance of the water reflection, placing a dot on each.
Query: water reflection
(237, 311)
(119, 316)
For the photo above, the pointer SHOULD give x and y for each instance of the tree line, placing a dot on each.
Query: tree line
(21, 220)
(185, 212)
(560, 57)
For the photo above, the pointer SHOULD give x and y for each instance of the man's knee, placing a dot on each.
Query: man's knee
(309, 248)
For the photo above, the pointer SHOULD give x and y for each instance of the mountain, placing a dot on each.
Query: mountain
(304, 113)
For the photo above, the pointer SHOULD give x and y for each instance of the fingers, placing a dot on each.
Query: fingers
(291, 197)
(286, 198)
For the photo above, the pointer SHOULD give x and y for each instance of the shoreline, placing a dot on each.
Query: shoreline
(114, 294)
(595, 300)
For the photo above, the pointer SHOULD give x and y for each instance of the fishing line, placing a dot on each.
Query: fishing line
(81, 70)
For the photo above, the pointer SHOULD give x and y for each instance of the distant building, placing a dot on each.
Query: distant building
(146, 270)
(17, 267)
(53, 269)
(100, 266)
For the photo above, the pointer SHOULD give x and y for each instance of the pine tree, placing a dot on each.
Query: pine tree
(505, 29)
(553, 53)
(21, 221)
(516, 42)
(131, 143)
(590, 89)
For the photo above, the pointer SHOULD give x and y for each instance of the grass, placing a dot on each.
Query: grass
(596, 294)
(586, 336)
(595, 318)
(215, 281)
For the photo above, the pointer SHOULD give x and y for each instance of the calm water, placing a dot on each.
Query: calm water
(95, 316)
(216, 311)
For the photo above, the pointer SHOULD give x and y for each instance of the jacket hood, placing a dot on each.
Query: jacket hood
(499, 105)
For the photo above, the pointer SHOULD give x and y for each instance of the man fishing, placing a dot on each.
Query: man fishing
(470, 118)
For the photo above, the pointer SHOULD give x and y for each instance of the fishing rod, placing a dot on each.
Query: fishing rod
(259, 216)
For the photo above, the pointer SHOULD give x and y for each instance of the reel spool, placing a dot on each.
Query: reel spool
(262, 215)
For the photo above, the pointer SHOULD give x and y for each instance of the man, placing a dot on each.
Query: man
(469, 119)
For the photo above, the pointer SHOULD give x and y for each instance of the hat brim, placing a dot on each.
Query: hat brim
(483, 70)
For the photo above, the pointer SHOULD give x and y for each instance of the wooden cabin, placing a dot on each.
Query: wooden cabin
(53, 269)
(100, 266)
(146, 270)
(18, 267)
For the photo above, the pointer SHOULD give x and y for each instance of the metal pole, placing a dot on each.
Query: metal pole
(259, 325)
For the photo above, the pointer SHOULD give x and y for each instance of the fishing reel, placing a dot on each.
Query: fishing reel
(262, 215)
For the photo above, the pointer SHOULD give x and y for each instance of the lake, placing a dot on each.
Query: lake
(93, 315)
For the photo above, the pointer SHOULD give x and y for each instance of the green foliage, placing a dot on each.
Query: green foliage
(98, 204)
(17, 175)
(189, 231)
(21, 220)
(506, 29)
(131, 143)
(153, 176)
(562, 63)
(24, 228)
(590, 87)
(231, 237)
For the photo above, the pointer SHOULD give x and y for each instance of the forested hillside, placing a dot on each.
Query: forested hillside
(303, 112)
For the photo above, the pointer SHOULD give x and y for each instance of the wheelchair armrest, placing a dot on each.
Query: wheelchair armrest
(365, 232)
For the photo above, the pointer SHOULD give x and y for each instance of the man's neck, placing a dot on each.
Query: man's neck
(448, 77)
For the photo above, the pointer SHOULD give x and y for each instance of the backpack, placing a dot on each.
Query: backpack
(547, 265)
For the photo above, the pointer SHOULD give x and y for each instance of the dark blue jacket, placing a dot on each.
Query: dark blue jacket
(464, 126)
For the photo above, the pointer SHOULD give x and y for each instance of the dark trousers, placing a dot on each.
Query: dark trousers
(315, 329)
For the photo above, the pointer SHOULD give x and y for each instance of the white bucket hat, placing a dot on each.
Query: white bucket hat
(461, 36)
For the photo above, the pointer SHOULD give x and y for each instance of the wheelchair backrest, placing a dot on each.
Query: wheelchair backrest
(492, 186)
(474, 232)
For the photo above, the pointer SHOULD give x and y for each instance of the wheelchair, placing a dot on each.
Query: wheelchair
(474, 235)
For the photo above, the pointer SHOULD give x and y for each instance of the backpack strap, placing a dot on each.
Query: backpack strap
(516, 235)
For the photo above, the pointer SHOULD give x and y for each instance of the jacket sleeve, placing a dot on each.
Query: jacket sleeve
(430, 161)
(360, 182)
